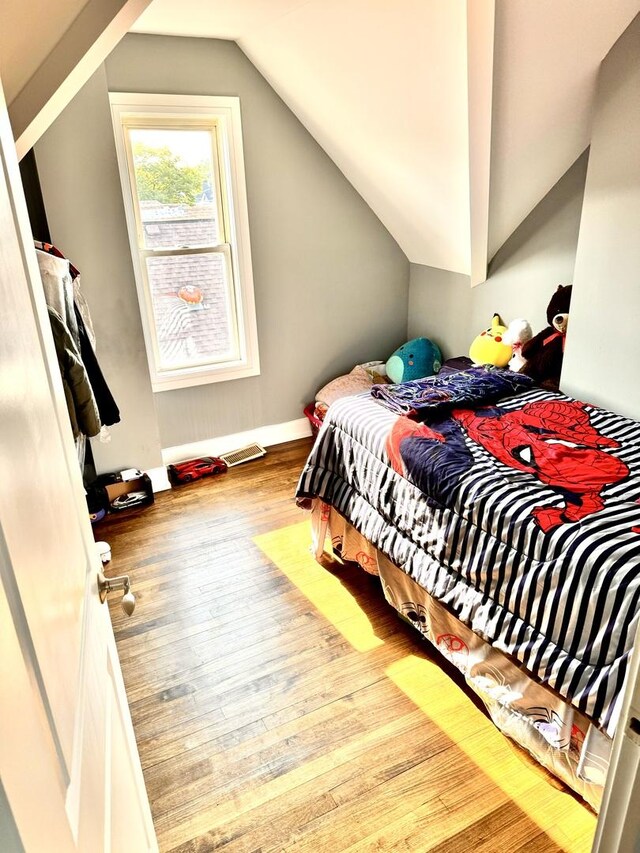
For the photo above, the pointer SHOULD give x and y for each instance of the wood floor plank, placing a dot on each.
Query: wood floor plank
(270, 695)
(287, 786)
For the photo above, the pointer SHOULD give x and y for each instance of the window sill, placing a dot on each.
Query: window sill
(190, 378)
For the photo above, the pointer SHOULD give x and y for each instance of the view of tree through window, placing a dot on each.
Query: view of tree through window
(182, 171)
(190, 293)
(162, 176)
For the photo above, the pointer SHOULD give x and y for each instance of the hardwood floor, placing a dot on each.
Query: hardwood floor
(281, 705)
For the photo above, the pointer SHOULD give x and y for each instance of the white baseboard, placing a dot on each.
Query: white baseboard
(159, 479)
(266, 436)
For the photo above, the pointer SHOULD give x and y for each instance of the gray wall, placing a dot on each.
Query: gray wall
(331, 284)
(523, 275)
(439, 308)
(81, 188)
(9, 836)
(603, 350)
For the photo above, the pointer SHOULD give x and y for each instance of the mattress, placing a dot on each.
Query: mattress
(523, 519)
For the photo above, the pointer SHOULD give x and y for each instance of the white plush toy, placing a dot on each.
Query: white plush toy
(518, 332)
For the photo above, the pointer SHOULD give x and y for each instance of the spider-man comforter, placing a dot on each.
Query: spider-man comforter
(522, 517)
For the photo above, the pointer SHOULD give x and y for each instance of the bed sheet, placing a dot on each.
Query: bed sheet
(562, 598)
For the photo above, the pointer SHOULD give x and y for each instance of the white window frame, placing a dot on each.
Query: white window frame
(126, 108)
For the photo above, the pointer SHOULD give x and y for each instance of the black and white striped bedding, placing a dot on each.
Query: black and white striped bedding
(563, 602)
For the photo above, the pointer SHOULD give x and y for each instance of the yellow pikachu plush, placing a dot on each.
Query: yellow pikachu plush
(489, 347)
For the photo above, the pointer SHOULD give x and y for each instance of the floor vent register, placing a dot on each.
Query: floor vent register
(244, 454)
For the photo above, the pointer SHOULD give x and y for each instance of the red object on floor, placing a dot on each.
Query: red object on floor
(195, 469)
(310, 413)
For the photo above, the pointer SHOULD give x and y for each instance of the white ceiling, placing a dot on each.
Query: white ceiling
(28, 33)
(547, 54)
(223, 19)
(393, 117)
(382, 86)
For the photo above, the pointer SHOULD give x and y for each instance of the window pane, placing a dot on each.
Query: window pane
(194, 318)
(176, 187)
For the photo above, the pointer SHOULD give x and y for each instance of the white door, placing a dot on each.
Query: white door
(70, 773)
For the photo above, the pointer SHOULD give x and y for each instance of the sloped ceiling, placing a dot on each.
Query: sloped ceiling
(547, 55)
(48, 51)
(28, 33)
(382, 86)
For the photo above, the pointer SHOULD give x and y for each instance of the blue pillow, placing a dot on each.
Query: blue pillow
(417, 358)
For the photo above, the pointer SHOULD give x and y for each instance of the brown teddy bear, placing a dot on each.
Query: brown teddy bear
(544, 352)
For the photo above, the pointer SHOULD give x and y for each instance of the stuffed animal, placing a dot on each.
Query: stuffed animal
(544, 352)
(489, 346)
(413, 360)
(517, 334)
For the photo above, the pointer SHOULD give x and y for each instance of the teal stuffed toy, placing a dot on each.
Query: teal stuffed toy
(413, 360)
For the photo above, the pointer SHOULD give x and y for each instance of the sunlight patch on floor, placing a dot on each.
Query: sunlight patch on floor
(494, 755)
(288, 548)
(564, 819)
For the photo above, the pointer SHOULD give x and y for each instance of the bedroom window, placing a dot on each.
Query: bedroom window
(182, 173)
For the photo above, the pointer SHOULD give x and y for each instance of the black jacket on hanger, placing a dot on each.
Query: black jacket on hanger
(109, 412)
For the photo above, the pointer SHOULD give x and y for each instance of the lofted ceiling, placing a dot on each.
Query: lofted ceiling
(28, 33)
(547, 55)
(382, 88)
(389, 88)
(48, 51)
(228, 19)
(385, 95)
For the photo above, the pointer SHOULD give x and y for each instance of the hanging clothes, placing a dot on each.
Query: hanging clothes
(107, 408)
(65, 271)
(63, 294)
(58, 290)
(82, 308)
(81, 404)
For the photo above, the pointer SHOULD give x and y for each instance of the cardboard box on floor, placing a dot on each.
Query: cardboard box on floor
(140, 484)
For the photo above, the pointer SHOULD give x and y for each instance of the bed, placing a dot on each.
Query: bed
(505, 526)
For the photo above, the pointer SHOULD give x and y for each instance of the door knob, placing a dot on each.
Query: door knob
(107, 585)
